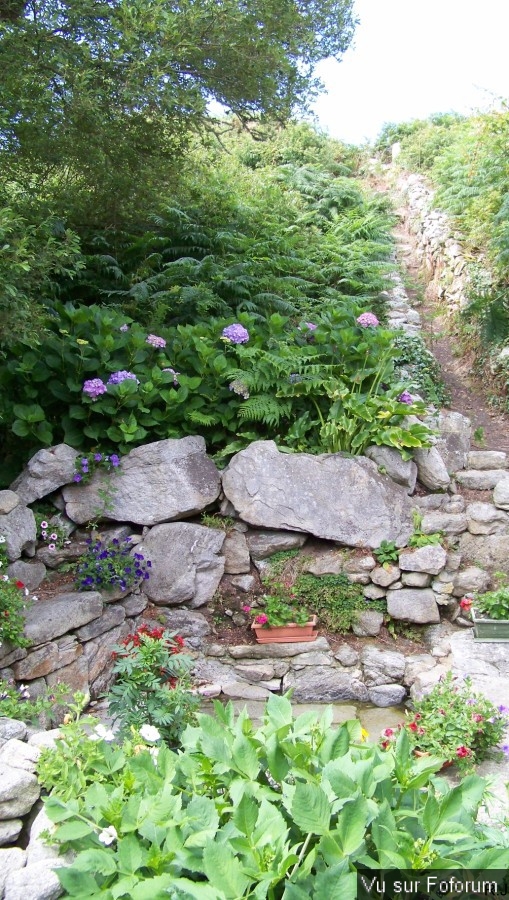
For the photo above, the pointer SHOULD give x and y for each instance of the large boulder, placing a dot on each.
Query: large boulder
(48, 619)
(413, 605)
(402, 471)
(431, 469)
(453, 444)
(20, 532)
(45, 472)
(488, 551)
(158, 482)
(331, 496)
(187, 564)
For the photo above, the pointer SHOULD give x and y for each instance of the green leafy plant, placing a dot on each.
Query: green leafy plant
(279, 609)
(289, 809)
(336, 600)
(152, 686)
(214, 520)
(92, 462)
(493, 604)
(419, 538)
(113, 565)
(16, 701)
(387, 552)
(14, 599)
(456, 723)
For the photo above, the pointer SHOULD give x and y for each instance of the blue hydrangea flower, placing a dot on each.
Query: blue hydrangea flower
(235, 334)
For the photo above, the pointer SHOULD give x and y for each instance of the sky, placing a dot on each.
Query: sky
(412, 58)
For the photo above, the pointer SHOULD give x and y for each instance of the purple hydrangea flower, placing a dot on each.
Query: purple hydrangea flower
(122, 375)
(94, 387)
(235, 333)
(238, 387)
(367, 320)
(405, 397)
(156, 341)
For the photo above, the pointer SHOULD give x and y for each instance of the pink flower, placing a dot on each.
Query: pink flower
(466, 603)
(246, 608)
(262, 619)
(367, 320)
(155, 341)
(463, 751)
(389, 732)
(52, 547)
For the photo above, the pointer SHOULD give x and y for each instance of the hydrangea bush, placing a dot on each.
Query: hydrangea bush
(326, 385)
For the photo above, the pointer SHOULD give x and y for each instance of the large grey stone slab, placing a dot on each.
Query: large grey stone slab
(330, 496)
(386, 694)
(46, 471)
(487, 459)
(47, 619)
(453, 444)
(11, 860)
(187, 564)
(277, 651)
(485, 518)
(490, 551)
(324, 684)
(112, 616)
(501, 494)
(413, 605)
(236, 554)
(431, 469)
(36, 882)
(382, 666)
(158, 482)
(30, 573)
(437, 520)
(20, 755)
(190, 624)
(480, 480)
(430, 559)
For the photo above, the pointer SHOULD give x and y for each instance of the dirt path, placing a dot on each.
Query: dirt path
(469, 395)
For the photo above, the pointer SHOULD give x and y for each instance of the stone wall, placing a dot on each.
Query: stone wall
(345, 506)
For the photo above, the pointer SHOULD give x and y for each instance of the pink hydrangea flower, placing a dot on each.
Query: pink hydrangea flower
(367, 320)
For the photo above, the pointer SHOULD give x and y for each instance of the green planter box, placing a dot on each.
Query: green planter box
(490, 629)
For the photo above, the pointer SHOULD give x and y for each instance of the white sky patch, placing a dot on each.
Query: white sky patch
(411, 58)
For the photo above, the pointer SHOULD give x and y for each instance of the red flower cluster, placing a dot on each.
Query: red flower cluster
(175, 645)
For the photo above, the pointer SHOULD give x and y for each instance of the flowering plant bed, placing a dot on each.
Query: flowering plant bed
(455, 724)
(285, 634)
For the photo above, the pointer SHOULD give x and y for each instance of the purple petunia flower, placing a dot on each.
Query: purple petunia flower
(406, 397)
(114, 460)
(310, 326)
(98, 457)
(77, 477)
(122, 375)
(156, 341)
(367, 320)
(235, 334)
(94, 387)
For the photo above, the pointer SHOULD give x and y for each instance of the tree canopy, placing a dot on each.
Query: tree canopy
(101, 92)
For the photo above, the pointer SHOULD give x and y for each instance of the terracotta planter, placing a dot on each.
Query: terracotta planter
(285, 634)
(494, 630)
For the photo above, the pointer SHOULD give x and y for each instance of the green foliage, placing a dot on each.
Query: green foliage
(280, 608)
(493, 604)
(290, 809)
(33, 257)
(14, 599)
(456, 723)
(152, 685)
(16, 702)
(336, 600)
(419, 539)
(421, 369)
(106, 566)
(215, 520)
(296, 382)
(387, 552)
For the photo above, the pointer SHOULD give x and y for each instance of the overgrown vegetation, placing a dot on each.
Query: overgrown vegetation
(290, 809)
(466, 161)
(336, 600)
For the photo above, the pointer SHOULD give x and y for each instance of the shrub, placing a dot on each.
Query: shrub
(14, 598)
(290, 809)
(152, 686)
(336, 600)
(16, 701)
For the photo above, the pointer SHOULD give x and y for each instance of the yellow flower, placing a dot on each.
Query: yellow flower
(364, 734)
(81, 341)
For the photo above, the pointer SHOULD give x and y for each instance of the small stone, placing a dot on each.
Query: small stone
(9, 500)
(9, 832)
(487, 459)
(416, 579)
(383, 576)
(501, 494)
(19, 755)
(11, 728)
(209, 691)
(484, 480)
(387, 694)
(368, 623)
(240, 690)
(11, 860)
(373, 592)
(244, 583)
(134, 604)
(263, 544)
(347, 656)
(19, 791)
(430, 559)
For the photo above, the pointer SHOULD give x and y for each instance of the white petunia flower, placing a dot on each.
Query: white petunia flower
(101, 733)
(108, 835)
(2, 539)
(149, 733)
